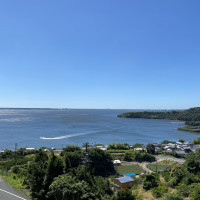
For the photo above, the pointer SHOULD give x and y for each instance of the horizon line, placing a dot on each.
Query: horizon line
(93, 108)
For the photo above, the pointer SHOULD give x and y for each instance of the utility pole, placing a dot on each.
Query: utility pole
(86, 160)
(15, 153)
(156, 166)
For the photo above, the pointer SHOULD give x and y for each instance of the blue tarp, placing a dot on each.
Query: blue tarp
(130, 174)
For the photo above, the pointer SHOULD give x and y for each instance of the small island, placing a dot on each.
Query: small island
(190, 116)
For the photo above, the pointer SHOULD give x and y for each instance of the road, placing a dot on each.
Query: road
(9, 193)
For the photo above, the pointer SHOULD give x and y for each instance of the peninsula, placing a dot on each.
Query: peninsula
(190, 116)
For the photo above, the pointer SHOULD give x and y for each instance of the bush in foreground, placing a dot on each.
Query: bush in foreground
(174, 197)
(124, 195)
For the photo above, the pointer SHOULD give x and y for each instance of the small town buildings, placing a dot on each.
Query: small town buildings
(179, 147)
(123, 183)
(180, 151)
(157, 148)
(138, 149)
(30, 149)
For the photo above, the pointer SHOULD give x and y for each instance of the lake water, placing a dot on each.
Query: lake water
(54, 127)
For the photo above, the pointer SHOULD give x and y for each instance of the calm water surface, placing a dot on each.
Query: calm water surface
(53, 127)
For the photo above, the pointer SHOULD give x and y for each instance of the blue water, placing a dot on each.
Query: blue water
(54, 127)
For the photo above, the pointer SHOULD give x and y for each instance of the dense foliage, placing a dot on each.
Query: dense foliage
(125, 195)
(140, 156)
(196, 141)
(151, 181)
(192, 114)
(121, 146)
(51, 176)
(150, 149)
(54, 176)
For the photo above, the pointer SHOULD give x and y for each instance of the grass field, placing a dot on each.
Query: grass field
(157, 167)
(129, 169)
(162, 165)
(190, 128)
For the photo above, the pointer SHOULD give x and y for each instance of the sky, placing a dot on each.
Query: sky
(133, 54)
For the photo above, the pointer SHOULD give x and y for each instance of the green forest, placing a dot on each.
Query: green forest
(65, 175)
(190, 116)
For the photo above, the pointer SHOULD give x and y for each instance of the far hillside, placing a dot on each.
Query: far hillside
(190, 116)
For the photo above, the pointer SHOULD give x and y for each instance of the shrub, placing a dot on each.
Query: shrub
(196, 141)
(178, 171)
(150, 149)
(150, 181)
(159, 191)
(195, 191)
(166, 175)
(174, 197)
(124, 146)
(124, 195)
(128, 156)
(15, 169)
(183, 189)
(173, 182)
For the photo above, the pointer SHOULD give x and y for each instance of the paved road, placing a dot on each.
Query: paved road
(9, 193)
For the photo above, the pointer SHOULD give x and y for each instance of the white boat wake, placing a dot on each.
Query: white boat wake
(68, 136)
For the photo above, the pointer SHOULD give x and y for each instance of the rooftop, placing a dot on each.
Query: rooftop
(124, 179)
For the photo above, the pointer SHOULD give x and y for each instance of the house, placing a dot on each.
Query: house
(180, 151)
(123, 183)
(157, 148)
(116, 162)
(30, 149)
(138, 149)
(101, 147)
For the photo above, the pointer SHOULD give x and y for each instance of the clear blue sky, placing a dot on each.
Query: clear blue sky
(100, 53)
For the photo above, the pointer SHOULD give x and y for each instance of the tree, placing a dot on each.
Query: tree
(103, 186)
(75, 158)
(72, 148)
(36, 174)
(195, 191)
(150, 181)
(150, 149)
(101, 162)
(124, 146)
(178, 171)
(192, 162)
(174, 197)
(159, 191)
(137, 145)
(67, 163)
(124, 195)
(54, 169)
(196, 141)
(66, 187)
(128, 156)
